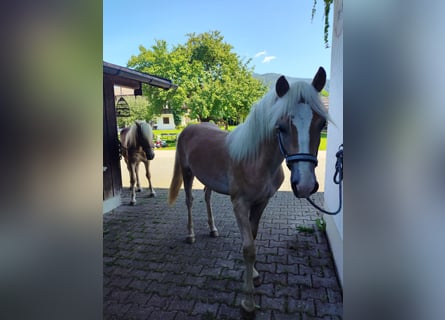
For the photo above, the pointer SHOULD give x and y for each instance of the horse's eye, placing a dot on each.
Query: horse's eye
(281, 128)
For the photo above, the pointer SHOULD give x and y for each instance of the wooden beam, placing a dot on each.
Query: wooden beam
(112, 180)
(123, 82)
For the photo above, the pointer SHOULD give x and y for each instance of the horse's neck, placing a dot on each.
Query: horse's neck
(269, 155)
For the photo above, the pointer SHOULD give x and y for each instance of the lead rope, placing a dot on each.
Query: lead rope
(338, 178)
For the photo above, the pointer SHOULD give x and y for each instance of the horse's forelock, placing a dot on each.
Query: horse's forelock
(147, 131)
(131, 138)
(302, 91)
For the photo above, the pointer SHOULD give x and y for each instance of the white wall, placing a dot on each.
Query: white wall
(160, 122)
(334, 228)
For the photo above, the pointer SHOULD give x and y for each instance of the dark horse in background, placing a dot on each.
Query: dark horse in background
(137, 146)
(247, 163)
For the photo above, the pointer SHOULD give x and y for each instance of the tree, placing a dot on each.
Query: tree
(139, 110)
(327, 9)
(223, 87)
(214, 83)
(161, 62)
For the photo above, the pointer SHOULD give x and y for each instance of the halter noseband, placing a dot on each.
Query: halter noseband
(296, 156)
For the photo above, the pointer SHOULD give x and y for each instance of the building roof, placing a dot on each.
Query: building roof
(129, 77)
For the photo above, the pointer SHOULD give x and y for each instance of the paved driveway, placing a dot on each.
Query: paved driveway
(151, 273)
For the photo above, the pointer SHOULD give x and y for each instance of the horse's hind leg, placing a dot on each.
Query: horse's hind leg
(213, 230)
(147, 173)
(188, 182)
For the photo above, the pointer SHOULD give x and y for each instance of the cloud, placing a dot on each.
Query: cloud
(268, 59)
(261, 53)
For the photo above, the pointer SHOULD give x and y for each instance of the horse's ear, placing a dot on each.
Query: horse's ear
(319, 79)
(282, 86)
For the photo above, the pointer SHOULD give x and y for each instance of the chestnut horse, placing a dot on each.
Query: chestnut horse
(247, 163)
(137, 146)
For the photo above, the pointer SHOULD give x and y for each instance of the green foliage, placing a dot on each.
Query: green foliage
(323, 141)
(160, 62)
(169, 136)
(213, 82)
(177, 131)
(321, 224)
(327, 9)
(139, 110)
(305, 229)
(324, 93)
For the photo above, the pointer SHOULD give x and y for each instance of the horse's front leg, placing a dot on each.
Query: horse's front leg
(256, 212)
(211, 221)
(138, 184)
(241, 210)
(132, 172)
(147, 173)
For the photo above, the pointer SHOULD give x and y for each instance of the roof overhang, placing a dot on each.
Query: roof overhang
(132, 78)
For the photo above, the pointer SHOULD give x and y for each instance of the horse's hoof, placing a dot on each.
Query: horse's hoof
(247, 313)
(257, 281)
(152, 195)
(132, 203)
(214, 234)
(138, 190)
(190, 239)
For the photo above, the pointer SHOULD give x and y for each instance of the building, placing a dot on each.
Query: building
(164, 121)
(334, 224)
(114, 75)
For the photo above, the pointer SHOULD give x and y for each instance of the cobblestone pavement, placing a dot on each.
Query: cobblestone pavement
(150, 272)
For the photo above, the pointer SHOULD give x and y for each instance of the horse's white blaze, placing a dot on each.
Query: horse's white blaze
(302, 122)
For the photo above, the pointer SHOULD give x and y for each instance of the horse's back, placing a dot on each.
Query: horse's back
(131, 154)
(123, 133)
(202, 149)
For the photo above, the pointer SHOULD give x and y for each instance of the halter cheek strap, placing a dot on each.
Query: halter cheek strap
(296, 156)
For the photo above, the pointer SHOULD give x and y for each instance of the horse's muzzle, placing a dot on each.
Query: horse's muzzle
(149, 153)
(301, 192)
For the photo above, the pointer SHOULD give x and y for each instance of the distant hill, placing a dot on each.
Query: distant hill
(270, 78)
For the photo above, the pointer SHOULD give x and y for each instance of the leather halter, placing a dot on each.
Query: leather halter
(296, 156)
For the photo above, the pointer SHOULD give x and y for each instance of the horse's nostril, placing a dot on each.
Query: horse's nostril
(294, 188)
(315, 188)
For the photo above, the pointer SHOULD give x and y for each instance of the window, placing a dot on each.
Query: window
(166, 120)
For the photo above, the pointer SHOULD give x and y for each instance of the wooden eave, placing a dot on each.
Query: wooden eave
(131, 78)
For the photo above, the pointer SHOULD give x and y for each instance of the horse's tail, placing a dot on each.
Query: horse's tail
(176, 182)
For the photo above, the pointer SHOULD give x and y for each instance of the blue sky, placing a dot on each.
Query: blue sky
(278, 35)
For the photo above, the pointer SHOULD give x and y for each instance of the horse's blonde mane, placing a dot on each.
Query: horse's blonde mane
(131, 136)
(245, 140)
